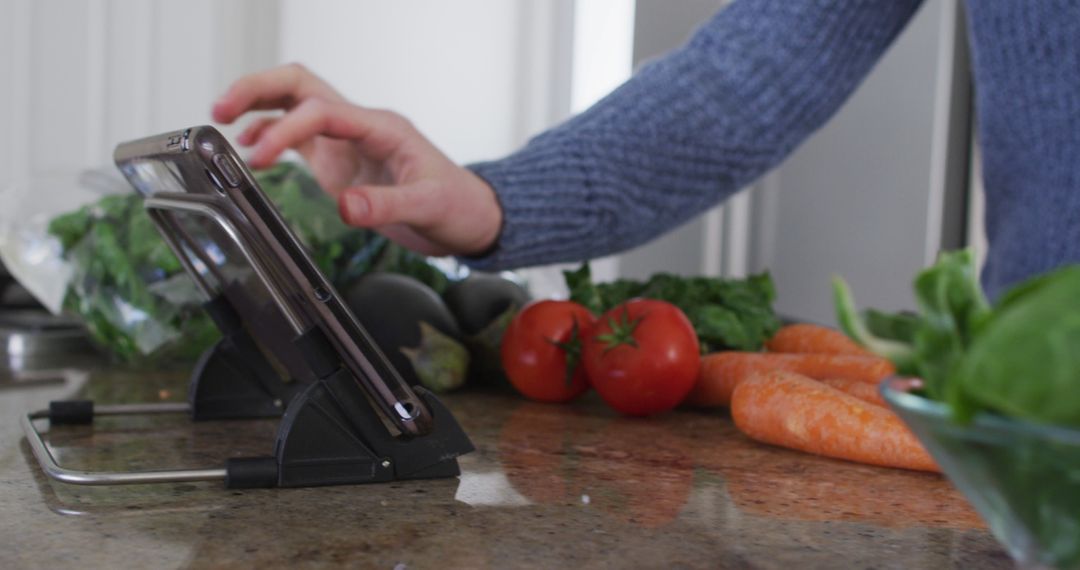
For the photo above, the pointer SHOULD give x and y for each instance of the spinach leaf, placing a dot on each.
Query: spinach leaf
(727, 314)
(1019, 358)
(896, 326)
(70, 227)
(582, 289)
(899, 351)
(1026, 360)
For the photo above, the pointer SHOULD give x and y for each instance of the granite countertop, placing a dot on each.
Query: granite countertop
(549, 486)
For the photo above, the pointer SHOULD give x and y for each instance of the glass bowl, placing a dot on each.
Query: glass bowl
(1022, 478)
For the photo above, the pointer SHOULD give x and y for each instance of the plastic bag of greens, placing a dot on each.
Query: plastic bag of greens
(120, 277)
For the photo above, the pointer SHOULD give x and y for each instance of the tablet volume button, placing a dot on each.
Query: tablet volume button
(227, 169)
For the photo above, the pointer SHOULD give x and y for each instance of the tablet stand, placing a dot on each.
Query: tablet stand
(232, 379)
(329, 434)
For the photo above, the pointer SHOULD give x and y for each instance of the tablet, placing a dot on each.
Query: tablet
(234, 243)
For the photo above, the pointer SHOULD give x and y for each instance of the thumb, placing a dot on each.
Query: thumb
(375, 206)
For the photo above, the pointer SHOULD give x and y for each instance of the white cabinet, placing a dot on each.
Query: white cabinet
(876, 193)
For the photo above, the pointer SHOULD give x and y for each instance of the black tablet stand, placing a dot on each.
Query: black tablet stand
(329, 434)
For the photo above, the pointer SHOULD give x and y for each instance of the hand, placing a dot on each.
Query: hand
(383, 172)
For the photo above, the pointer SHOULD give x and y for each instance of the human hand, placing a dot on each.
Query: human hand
(384, 173)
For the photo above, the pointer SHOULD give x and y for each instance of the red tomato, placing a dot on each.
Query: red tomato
(536, 347)
(642, 357)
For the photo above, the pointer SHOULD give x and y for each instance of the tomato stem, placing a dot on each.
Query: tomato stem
(572, 348)
(622, 332)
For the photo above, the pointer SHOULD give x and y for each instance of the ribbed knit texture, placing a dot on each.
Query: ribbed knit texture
(691, 128)
(1027, 83)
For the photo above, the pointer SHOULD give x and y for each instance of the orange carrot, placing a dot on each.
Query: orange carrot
(864, 391)
(722, 371)
(791, 410)
(806, 337)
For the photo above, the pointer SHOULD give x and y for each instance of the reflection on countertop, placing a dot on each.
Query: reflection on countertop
(548, 487)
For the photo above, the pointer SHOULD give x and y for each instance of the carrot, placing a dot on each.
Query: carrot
(864, 391)
(806, 337)
(790, 410)
(721, 371)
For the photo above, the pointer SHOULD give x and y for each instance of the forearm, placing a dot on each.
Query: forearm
(687, 130)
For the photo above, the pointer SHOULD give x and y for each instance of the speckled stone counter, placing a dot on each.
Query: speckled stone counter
(548, 487)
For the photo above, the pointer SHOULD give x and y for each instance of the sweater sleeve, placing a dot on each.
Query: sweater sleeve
(687, 130)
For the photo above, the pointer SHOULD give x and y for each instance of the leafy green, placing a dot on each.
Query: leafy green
(1026, 362)
(137, 302)
(1019, 358)
(900, 353)
(893, 326)
(731, 314)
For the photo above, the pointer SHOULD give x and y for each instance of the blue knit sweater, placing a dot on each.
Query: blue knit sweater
(692, 128)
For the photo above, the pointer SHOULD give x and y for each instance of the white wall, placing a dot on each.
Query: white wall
(451, 67)
(80, 77)
(603, 55)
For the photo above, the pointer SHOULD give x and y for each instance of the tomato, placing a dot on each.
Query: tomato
(642, 357)
(541, 350)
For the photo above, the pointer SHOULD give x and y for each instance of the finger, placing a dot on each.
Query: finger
(409, 239)
(377, 133)
(415, 205)
(254, 131)
(277, 88)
